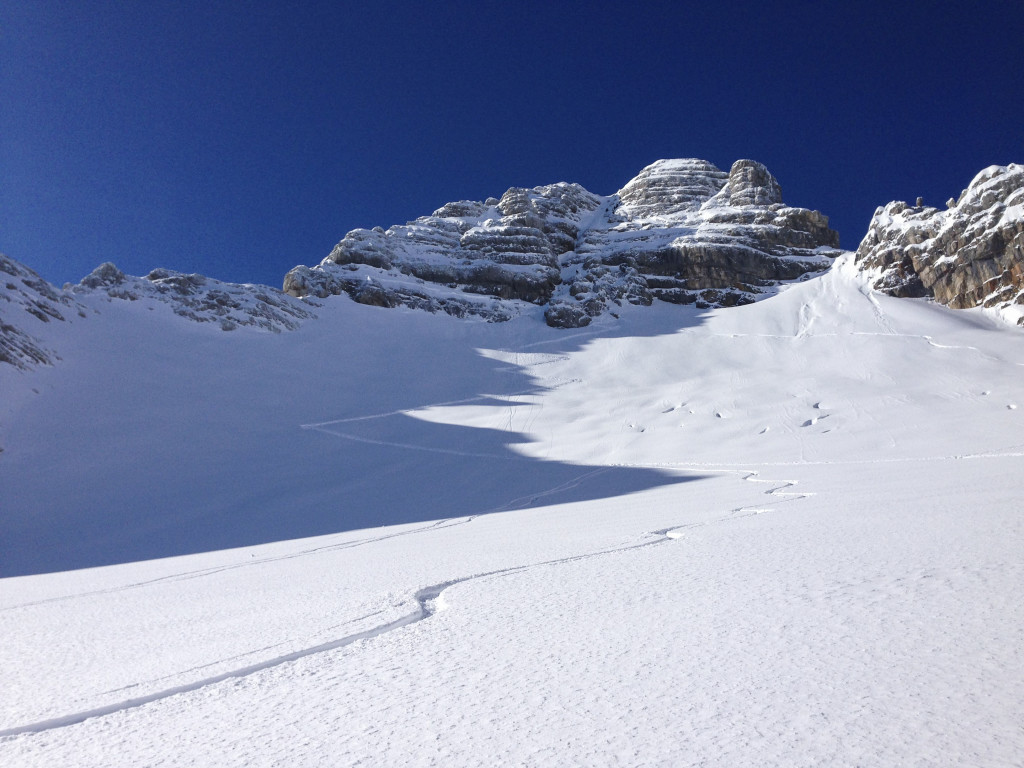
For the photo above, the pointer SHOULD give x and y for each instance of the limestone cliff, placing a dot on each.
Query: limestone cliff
(970, 255)
(681, 231)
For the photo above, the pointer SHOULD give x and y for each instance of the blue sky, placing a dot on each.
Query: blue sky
(240, 139)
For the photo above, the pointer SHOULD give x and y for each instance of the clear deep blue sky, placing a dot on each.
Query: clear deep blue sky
(239, 139)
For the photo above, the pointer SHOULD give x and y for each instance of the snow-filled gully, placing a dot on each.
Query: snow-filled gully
(426, 602)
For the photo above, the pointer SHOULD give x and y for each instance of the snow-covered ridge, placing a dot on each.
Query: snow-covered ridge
(201, 298)
(967, 256)
(682, 231)
(27, 304)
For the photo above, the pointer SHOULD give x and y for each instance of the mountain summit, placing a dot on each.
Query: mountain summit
(682, 231)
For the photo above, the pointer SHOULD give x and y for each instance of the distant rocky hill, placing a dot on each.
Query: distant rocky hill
(29, 304)
(682, 231)
(970, 255)
(202, 299)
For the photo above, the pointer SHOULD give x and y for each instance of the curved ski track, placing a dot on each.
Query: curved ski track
(425, 599)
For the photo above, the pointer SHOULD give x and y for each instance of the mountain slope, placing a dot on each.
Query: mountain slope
(27, 304)
(786, 533)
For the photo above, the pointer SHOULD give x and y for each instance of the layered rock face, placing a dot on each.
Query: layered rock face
(970, 255)
(685, 232)
(463, 259)
(681, 231)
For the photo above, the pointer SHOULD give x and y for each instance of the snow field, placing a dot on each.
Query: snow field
(783, 534)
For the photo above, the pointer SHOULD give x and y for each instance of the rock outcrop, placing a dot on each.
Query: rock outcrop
(467, 258)
(681, 231)
(201, 299)
(970, 255)
(27, 304)
(685, 232)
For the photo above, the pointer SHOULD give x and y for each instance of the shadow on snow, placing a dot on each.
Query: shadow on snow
(179, 464)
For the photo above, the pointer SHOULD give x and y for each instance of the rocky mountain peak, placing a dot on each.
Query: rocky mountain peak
(200, 298)
(30, 307)
(682, 231)
(668, 187)
(969, 255)
(28, 304)
(750, 183)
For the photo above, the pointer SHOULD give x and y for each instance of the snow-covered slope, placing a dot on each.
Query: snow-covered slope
(787, 533)
(201, 299)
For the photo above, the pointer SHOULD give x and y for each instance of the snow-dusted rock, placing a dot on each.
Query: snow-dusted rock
(26, 302)
(669, 187)
(507, 249)
(202, 299)
(694, 234)
(682, 231)
(970, 255)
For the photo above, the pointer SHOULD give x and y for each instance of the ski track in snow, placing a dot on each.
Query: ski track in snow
(413, 446)
(186, 575)
(426, 599)
(426, 606)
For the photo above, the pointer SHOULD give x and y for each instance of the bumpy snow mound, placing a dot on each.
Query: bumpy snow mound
(26, 302)
(967, 256)
(682, 231)
(202, 299)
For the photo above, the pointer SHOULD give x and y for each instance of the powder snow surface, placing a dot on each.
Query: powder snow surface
(782, 534)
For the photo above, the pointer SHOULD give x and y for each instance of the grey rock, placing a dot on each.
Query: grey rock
(696, 235)
(104, 276)
(507, 249)
(562, 314)
(751, 184)
(970, 255)
(669, 187)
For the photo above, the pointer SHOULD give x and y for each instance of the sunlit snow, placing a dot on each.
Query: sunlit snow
(788, 533)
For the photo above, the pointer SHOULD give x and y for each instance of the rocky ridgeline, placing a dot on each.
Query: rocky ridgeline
(27, 303)
(682, 231)
(970, 255)
(202, 299)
